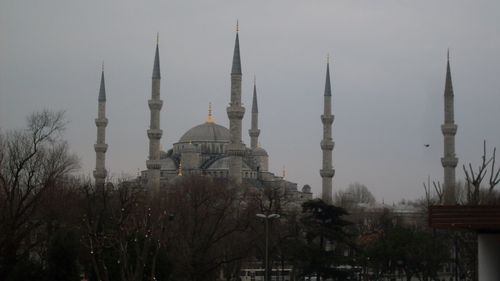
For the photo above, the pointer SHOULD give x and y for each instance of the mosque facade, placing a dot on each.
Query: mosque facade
(210, 149)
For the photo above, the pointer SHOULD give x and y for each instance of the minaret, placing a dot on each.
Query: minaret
(154, 132)
(235, 112)
(449, 129)
(101, 147)
(254, 132)
(327, 144)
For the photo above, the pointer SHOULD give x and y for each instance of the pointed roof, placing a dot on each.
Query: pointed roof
(156, 66)
(255, 108)
(102, 89)
(328, 87)
(448, 87)
(236, 69)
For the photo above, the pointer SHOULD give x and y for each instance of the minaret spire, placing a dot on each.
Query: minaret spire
(328, 87)
(327, 172)
(254, 132)
(236, 68)
(154, 132)
(449, 130)
(156, 65)
(102, 88)
(235, 112)
(101, 147)
(255, 107)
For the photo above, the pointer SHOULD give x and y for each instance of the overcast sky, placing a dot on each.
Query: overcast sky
(389, 61)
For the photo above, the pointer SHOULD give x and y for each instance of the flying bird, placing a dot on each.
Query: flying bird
(427, 145)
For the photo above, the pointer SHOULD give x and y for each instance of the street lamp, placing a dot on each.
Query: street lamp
(266, 220)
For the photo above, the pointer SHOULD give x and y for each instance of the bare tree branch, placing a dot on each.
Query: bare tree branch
(475, 179)
(31, 162)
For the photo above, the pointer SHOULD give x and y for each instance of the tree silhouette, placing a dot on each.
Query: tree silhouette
(32, 161)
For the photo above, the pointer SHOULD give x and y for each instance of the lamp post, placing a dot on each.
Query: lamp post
(266, 222)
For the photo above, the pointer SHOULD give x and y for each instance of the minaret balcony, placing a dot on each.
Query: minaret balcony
(100, 147)
(449, 129)
(327, 119)
(155, 133)
(153, 164)
(101, 122)
(254, 133)
(449, 161)
(235, 149)
(327, 144)
(100, 174)
(235, 112)
(327, 173)
(155, 104)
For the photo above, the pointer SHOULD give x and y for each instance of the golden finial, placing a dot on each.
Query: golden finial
(237, 26)
(254, 80)
(180, 170)
(102, 66)
(284, 171)
(210, 118)
(157, 37)
(328, 58)
(448, 54)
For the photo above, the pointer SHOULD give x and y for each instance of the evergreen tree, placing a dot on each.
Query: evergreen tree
(321, 243)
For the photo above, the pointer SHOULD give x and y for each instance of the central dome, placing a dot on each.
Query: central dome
(206, 132)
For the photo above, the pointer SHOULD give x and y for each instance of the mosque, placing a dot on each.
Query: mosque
(211, 149)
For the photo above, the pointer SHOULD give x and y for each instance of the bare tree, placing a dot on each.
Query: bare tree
(127, 223)
(31, 161)
(355, 193)
(273, 199)
(210, 227)
(431, 199)
(474, 179)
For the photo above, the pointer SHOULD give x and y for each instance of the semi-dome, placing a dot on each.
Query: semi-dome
(206, 132)
(223, 164)
(259, 151)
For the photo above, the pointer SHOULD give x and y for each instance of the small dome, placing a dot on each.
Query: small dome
(168, 164)
(163, 154)
(210, 132)
(306, 188)
(259, 151)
